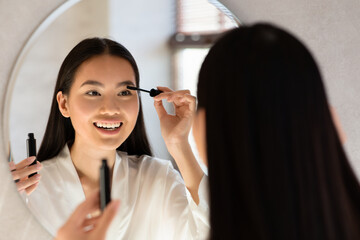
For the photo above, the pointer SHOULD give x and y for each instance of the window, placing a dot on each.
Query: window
(199, 16)
(199, 24)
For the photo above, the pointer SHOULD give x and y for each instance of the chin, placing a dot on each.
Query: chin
(109, 146)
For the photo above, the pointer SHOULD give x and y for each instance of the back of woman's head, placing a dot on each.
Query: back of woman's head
(59, 130)
(276, 167)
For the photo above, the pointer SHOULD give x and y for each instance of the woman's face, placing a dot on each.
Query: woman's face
(102, 110)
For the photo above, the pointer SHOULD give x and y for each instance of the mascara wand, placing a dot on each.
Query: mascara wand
(153, 92)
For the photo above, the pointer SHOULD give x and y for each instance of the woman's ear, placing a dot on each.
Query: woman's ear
(199, 133)
(338, 126)
(63, 104)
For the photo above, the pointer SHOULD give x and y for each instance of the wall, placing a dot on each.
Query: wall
(331, 29)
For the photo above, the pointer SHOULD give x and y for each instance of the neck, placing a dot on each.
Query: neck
(87, 161)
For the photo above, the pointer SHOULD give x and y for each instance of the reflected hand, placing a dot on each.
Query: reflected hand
(175, 128)
(22, 170)
(80, 227)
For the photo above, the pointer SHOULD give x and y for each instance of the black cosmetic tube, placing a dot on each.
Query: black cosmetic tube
(31, 149)
(105, 194)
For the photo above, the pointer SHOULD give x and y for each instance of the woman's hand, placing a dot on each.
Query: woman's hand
(175, 131)
(21, 171)
(175, 128)
(80, 227)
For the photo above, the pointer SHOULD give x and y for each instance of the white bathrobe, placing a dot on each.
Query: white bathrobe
(154, 202)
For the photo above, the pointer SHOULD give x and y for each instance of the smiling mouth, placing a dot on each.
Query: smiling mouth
(108, 126)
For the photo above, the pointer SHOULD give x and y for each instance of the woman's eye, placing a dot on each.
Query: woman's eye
(124, 93)
(93, 93)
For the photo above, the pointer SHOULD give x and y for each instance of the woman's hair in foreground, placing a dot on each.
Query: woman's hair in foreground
(59, 130)
(277, 169)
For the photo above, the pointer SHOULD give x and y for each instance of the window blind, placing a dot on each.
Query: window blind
(199, 16)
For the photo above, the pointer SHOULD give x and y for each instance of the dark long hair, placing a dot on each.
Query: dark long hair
(59, 130)
(277, 169)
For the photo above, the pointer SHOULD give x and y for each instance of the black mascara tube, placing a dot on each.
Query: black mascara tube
(31, 149)
(152, 92)
(105, 195)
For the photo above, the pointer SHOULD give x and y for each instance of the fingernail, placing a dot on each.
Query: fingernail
(37, 176)
(31, 159)
(11, 165)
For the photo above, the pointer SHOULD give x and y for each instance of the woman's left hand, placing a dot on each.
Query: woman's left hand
(80, 227)
(175, 128)
(175, 131)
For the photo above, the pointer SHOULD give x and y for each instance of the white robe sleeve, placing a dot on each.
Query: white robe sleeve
(191, 221)
(201, 211)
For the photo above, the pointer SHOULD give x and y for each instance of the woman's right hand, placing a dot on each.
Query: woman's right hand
(21, 171)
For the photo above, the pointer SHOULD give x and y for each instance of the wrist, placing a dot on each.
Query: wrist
(178, 147)
(188, 166)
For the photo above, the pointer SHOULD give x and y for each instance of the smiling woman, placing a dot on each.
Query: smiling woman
(81, 65)
(94, 116)
(104, 103)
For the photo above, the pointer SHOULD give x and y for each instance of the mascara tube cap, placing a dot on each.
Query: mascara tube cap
(31, 149)
(31, 145)
(105, 194)
(154, 92)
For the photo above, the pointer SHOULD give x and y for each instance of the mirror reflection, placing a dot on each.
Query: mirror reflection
(92, 116)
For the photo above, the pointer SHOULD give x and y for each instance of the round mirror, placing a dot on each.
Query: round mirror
(160, 64)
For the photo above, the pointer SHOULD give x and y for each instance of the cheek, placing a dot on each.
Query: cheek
(132, 109)
(80, 108)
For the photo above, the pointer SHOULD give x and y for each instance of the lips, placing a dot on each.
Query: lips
(109, 126)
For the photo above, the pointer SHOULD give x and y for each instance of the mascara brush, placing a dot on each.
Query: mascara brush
(153, 92)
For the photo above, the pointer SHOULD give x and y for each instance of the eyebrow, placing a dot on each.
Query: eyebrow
(125, 83)
(96, 83)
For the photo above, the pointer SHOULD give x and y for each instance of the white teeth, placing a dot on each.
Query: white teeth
(107, 125)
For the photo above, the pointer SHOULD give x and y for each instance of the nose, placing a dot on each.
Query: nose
(110, 106)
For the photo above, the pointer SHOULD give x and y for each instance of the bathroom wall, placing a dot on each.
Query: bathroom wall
(331, 29)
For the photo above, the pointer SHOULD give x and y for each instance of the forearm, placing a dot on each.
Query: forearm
(189, 168)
